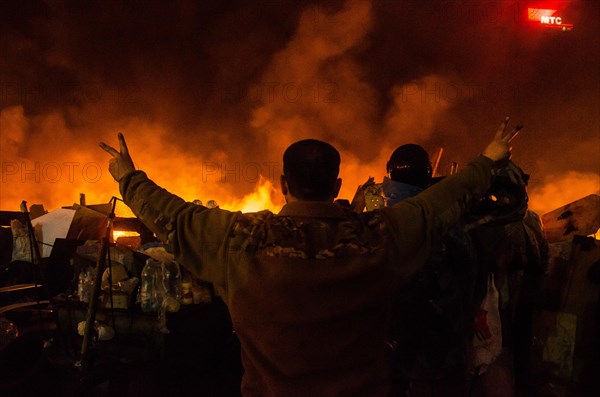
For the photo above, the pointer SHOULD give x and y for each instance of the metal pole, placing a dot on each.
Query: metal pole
(83, 362)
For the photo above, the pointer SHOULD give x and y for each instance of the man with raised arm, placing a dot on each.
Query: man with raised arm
(308, 288)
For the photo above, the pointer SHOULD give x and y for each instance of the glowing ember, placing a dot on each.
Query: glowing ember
(124, 233)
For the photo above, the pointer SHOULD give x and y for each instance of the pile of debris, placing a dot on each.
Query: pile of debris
(567, 333)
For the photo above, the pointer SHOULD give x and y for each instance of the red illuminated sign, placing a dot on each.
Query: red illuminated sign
(547, 17)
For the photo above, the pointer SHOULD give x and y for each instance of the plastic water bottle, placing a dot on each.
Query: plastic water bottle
(85, 285)
(149, 290)
(172, 280)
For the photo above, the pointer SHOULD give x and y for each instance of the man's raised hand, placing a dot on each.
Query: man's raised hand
(499, 148)
(120, 164)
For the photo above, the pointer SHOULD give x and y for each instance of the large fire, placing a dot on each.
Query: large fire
(52, 173)
(265, 196)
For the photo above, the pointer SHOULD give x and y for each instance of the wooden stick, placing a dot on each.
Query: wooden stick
(437, 162)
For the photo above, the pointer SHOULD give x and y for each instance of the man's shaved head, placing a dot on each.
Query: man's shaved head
(311, 168)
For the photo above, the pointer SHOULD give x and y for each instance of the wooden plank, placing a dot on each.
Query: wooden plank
(19, 287)
(4, 309)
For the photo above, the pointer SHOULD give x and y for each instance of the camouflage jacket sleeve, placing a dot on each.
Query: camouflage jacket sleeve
(418, 222)
(196, 233)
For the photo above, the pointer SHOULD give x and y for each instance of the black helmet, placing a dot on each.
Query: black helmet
(410, 164)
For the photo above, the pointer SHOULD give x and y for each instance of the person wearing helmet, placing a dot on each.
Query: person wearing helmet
(510, 244)
(430, 315)
(408, 174)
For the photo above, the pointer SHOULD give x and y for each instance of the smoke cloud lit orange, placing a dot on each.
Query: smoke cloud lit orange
(558, 190)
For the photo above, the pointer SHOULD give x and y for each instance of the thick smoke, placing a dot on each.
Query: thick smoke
(210, 93)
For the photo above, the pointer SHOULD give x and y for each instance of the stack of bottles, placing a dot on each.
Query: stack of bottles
(165, 287)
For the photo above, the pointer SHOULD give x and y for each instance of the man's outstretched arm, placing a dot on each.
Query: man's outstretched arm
(151, 204)
(419, 221)
(450, 198)
(196, 233)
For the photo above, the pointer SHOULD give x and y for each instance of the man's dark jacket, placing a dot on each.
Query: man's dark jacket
(308, 288)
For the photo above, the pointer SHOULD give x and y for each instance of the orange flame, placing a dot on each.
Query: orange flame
(124, 233)
(265, 196)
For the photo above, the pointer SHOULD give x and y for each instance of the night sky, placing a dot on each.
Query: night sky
(202, 87)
